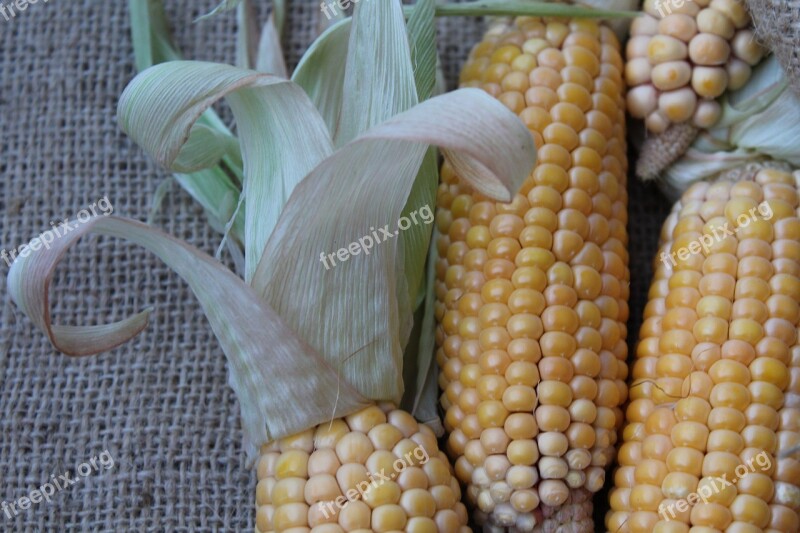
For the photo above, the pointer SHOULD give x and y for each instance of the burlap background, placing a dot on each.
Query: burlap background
(777, 25)
(160, 404)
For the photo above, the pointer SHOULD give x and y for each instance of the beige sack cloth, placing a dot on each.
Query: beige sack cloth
(777, 25)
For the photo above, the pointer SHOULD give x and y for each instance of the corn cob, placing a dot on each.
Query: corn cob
(385, 470)
(714, 418)
(682, 55)
(532, 294)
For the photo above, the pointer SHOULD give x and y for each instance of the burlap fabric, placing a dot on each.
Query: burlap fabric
(160, 405)
(777, 25)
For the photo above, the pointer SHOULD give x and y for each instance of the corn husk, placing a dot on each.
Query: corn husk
(305, 344)
(317, 162)
(217, 188)
(760, 125)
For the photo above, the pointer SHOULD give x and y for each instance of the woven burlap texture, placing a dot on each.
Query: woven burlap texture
(160, 404)
(777, 25)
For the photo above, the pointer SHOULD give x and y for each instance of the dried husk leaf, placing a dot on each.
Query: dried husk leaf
(760, 124)
(372, 176)
(258, 344)
(161, 119)
(351, 318)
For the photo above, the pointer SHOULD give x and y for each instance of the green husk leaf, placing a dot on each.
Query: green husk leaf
(150, 34)
(760, 122)
(379, 78)
(270, 52)
(441, 83)
(422, 38)
(158, 198)
(279, 12)
(152, 45)
(425, 405)
(321, 72)
(225, 5)
(257, 343)
(141, 34)
(159, 119)
(416, 240)
(350, 311)
(502, 8)
(218, 198)
(205, 148)
(247, 36)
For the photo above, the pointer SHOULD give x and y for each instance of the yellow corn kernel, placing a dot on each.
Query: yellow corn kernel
(329, 479)
(722, 325)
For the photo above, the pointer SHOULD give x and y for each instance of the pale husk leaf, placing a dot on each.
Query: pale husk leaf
(321, 71)
(222, 7)
(425, 404)
(379, 78)
(514, 8)
(247, 35)
(760, 122)
(366, 184)
(152, 45)
(159, 108)
(416, 240)
(218, 197)
(380, 82)
(270, 52)
(258, 344)
(422, 37)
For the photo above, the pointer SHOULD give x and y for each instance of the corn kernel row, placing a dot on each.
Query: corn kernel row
(682, 55)
(385, 470)
(716, 380)
(532, 294)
